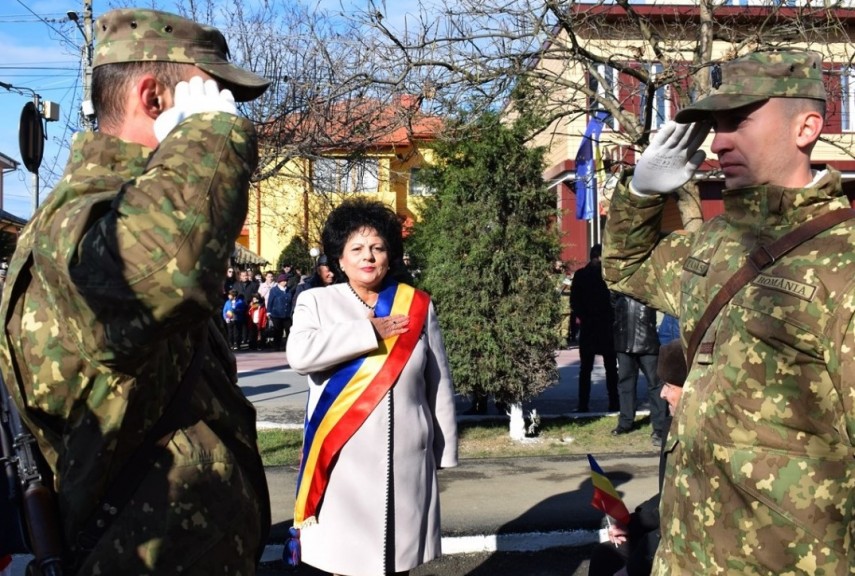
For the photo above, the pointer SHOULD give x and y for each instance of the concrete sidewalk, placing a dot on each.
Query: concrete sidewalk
(508, 504)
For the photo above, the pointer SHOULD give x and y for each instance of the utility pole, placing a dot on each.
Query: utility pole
(37, 101)
(31, 133)
(87, 112)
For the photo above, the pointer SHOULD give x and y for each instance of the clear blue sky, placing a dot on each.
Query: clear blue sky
(41, 52)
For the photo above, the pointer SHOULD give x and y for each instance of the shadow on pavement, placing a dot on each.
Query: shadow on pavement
(261, 371)
(263, 389)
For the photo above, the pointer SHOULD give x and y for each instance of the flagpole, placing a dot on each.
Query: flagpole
(609, 524)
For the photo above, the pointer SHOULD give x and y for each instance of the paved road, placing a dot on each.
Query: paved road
(278, 392)
(509, 495)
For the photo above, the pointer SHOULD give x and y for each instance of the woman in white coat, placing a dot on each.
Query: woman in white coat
(380, 418)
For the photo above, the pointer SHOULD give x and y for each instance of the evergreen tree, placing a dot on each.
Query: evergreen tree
(488, 246)
(296, 253)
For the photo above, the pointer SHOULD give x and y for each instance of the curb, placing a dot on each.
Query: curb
(269, 425)
(524, 542)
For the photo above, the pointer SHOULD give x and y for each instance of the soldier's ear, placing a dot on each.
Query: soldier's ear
(809, 128)
(151, 96)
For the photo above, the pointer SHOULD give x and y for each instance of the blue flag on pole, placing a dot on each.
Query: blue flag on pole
(586, 174)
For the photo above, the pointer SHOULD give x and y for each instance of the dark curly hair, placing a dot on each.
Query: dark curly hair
(353, 215)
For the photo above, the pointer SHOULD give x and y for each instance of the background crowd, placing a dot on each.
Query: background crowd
(257, 307)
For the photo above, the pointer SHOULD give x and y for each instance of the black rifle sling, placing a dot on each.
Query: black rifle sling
(758, 259)
(126, 482)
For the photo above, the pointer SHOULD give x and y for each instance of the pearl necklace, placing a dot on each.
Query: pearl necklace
(358, 297)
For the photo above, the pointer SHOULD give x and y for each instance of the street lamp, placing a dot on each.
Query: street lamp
(314, 253)
(87, 111)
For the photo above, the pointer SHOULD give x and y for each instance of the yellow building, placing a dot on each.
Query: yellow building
(381, 156)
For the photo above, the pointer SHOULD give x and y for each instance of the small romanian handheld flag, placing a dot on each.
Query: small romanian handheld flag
(606, 497)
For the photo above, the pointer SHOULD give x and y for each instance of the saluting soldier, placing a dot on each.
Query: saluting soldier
(761, 474)
(110, 345)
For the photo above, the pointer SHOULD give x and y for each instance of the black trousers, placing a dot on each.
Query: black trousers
(236, 332)
(586, 366)
(280, 330)
(628, 366)
(606, 559)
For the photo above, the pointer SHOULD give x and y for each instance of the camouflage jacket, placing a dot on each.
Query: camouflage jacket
(110, 291)
(762, 476)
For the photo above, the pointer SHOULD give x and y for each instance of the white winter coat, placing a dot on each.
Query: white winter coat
(331, 326)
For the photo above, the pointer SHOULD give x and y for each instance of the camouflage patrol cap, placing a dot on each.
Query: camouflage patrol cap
(757, 77)
(137, 35)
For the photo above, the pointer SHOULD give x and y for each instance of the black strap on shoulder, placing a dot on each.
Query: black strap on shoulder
(758, 259)
(126, 482)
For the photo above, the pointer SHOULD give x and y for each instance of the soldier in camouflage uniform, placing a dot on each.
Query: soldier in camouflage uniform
(113, 290)
(762, 475)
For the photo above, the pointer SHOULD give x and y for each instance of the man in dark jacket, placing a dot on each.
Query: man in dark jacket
(279, 306)
(323, 276)
(637, 346)
(590, 301)
(246, 286)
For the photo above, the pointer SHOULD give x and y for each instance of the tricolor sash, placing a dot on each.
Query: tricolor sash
(351, 394)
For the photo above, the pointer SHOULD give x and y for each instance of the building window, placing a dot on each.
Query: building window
(417, 185)
(607, 91)
(661, 109)
(847, 100)
(340, 175)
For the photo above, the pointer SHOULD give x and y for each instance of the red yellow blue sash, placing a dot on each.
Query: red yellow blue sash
(351, 394)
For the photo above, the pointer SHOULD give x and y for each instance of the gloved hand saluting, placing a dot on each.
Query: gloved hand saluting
(671, 158)
(193, 97)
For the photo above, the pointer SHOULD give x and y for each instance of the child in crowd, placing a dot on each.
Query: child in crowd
(234, 314)
(256, 322)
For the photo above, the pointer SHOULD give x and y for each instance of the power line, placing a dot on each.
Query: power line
(66, 68)
(24, 19)
(47, 23)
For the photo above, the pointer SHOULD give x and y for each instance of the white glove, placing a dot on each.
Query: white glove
(671, 158)
(193, 97)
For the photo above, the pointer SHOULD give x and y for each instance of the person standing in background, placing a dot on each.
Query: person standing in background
(264, 288)
(591, 302)
(279, 300)
(637, 347)
(323, 276)
(256, 321)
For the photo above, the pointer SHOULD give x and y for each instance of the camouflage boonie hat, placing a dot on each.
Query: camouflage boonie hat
(136, 35)
(757, 77)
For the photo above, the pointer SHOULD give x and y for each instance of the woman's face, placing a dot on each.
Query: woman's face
(365, 259)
